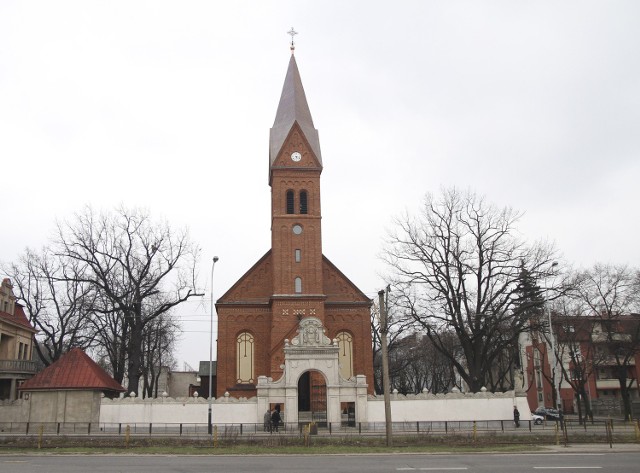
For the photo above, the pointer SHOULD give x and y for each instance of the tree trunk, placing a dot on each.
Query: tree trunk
(135, 351)
(626, 398)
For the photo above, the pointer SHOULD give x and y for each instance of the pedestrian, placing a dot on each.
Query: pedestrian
(275, 418)
(267, 421)
(516, 416)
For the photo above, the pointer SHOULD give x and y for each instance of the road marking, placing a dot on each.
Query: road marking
(432, 468)
(549, 454)
(441, 469)
(567, 468)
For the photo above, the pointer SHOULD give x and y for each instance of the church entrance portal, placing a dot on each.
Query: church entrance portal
(312, 398)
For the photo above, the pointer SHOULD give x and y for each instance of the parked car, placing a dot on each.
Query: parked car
(547, 413)
(537, 419)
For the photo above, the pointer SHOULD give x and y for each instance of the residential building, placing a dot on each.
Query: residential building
(588, 351)
(17, 337)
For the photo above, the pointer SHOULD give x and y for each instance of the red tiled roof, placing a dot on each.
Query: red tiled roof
(74, 370)
(18, 318)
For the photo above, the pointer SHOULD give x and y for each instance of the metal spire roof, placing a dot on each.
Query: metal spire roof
(293, 108)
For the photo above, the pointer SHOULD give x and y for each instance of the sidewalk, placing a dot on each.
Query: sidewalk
(592, 448)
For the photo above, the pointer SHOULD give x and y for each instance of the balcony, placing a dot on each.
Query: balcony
(17, 367)
(612, 384)
(610, 360)
(603, 337)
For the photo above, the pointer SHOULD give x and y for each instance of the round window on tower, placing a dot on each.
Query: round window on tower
(297, 229)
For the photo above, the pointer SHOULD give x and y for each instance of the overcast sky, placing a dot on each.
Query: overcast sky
(167, 106)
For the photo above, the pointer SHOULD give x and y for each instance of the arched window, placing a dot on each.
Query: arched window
(345, 354)
(290, 205)
(244, 358)
(303, 202)
(297, 284)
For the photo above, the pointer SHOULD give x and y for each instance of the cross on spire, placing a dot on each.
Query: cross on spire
(292, 33)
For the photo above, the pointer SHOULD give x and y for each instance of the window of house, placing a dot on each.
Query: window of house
(290, 205)
(303, 202)
(298, 255)
(20, 345)
(345, 354)
(244, 358)
(297, 283)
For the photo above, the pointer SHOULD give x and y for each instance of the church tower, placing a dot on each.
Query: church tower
(293, 281)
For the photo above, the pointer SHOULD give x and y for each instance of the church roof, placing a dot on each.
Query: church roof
(293, 108)
(74, 370)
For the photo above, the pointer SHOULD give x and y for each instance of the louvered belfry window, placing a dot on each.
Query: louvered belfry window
(290, 202)
(303, 202)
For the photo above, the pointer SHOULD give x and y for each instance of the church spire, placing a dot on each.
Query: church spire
(293, 108)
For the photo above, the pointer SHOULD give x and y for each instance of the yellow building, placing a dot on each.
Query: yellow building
(16, 344)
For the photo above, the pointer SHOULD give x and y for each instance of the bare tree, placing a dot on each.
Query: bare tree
(396, 327)
(131, 261)
(578, 359)
(112, 340)
(416, 364)
(610, 294)
(158, 346)
(457, 267)
(57, 302)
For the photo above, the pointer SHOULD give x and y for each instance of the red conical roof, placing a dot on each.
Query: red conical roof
(74, 370)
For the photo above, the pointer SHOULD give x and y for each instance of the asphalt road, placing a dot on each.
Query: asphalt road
(618, 462)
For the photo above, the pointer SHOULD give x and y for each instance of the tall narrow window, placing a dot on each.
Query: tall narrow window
(303, 202)
(244, 358)
(290, 202)
(345, 354)
(297, 283)
(298, 256)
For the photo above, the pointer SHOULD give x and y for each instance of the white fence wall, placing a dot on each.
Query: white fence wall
(449, 407)
(227, 410)
(178, 411)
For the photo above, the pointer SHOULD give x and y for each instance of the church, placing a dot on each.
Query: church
(294, 330)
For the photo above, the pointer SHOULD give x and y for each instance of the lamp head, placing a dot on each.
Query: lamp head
(215, 259)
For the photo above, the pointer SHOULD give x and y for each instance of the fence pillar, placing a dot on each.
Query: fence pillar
(150, 427)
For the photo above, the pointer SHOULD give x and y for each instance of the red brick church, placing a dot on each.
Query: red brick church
(294, 288)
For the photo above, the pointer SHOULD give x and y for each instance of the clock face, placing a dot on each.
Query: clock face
(296, 156)
(297, 229)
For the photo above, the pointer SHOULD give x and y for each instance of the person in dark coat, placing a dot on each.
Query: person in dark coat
(275, 418)
(267, 421)
(516, 416)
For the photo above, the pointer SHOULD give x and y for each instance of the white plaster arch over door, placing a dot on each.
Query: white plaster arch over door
(312, 350)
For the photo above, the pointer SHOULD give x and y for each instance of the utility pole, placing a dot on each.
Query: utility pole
(210, 399)
(385, 364)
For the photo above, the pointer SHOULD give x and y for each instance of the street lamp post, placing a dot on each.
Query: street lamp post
(210, 428)
(552, 340)
(556, 389)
